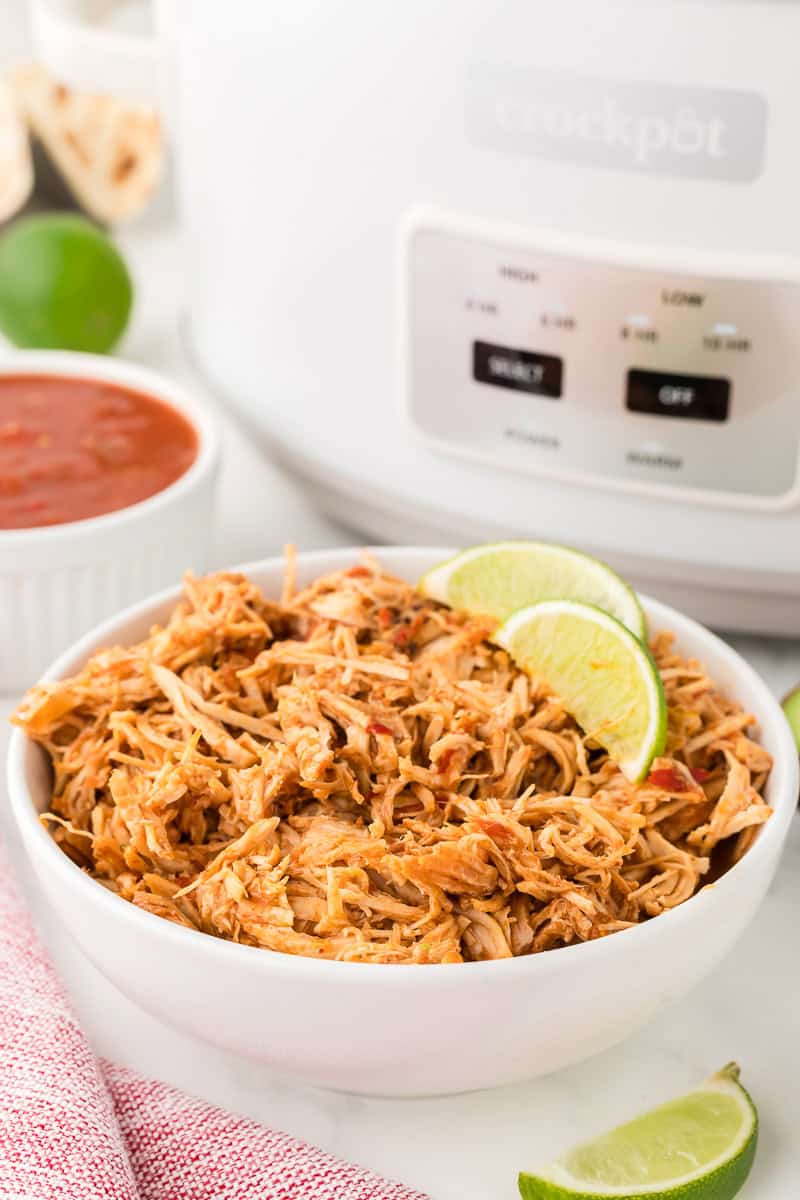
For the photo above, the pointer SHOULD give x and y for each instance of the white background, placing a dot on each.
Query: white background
(468, 1147)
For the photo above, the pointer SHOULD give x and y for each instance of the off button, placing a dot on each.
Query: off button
(663, 394)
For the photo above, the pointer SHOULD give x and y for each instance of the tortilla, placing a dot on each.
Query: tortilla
(107, 153)
(16, 168)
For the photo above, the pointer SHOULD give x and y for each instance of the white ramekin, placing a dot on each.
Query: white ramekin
(408, 1030)
(59, 581)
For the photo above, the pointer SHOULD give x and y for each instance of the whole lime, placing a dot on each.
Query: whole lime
(63, 285)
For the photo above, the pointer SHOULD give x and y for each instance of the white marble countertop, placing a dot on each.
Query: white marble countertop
(467, 1147)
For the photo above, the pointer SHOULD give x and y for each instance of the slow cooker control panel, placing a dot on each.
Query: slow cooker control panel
(587, 365)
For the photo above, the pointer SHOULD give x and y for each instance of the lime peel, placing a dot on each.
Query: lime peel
(604, 675)
(497, 578)
(655, 1143)
(791, 709)
(63, 285)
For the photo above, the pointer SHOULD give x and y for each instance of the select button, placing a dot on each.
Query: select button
(665, 394)
(521, 370)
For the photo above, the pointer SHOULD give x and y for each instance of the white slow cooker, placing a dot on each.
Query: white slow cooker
(480, 270)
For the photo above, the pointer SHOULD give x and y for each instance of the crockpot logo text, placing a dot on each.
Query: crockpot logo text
(643, 137)
(655, 128)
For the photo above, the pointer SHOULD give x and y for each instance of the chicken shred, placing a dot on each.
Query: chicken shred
(357, 773)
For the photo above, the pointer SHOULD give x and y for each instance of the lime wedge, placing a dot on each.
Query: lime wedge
(603, 674)
(791, 707)
(700, 1147)
(501, 577)
(63, 285)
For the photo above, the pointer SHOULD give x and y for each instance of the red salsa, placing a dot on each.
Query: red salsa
(77, 448)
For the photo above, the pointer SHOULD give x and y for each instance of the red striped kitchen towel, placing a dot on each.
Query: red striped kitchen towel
(73, 1128)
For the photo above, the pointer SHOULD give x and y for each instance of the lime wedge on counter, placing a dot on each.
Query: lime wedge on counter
(63, 285)
(603, 674)
(501, 577)
(700, 1147)
(791, 707)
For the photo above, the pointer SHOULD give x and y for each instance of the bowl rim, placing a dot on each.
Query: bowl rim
(124, 373)
(785, 779)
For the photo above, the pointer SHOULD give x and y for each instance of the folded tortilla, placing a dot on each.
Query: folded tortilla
(108, 153)
(16, 168)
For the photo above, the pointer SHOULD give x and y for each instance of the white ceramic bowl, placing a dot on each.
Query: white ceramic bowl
(408, 1030)
(59, 581)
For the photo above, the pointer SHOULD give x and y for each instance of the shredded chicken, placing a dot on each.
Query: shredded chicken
(357, 773)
